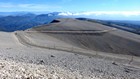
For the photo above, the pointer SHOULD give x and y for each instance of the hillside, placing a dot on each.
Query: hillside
(23, 61)
(67, 49)
(130, 26)
(91, 36)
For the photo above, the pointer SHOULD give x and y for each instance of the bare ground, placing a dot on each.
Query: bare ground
(27, 62)
(27, 56)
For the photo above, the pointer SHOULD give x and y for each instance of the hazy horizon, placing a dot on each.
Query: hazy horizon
(102, 9)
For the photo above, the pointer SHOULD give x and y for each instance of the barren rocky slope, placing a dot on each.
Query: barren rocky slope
(68, 53)
(109, 40)
(18, 61)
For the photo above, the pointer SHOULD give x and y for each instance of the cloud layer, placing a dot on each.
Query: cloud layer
(98, 13)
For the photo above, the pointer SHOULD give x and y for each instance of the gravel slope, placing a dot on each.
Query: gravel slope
(19, 59)
(116, 41)
(27, 62)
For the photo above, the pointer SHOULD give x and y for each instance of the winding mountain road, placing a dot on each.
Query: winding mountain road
(75, 31)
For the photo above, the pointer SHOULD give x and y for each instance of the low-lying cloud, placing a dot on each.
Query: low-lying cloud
(98, 13)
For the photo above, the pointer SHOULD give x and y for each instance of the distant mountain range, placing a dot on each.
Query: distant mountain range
(128, 22)
(13, 13)
(12, 21)
(24, 21)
